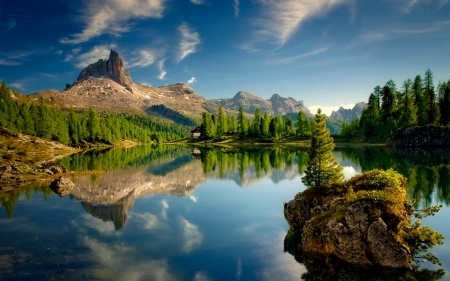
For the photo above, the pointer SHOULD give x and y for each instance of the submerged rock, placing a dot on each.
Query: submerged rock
(62, 186)
(360, 222)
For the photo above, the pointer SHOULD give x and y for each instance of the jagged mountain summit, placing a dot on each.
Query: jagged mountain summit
(112, 68)
(348, 115)
(276, 105)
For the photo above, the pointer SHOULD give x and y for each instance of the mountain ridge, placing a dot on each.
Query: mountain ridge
(106, 86)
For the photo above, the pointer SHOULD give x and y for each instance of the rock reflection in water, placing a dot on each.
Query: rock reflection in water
(327, 267)
(111, 195)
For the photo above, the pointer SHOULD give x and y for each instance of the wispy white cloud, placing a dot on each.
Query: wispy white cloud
(236, 8)
(72, 53)
(162, 72)
(406, 6)
(188, 42)
(192, 80)
(14, 58)
(280, 19)
(198, 2)
(192, 236)
(11, 24)
(49, 75)
(301, 56)
(165, 206)
(193, 198)
(144, 58)
(327, 110)
(146, 220)
(394, 32)
(17, 86)
(111, 16)
(96, 53)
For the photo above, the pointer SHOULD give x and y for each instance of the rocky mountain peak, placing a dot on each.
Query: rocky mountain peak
(348, 115)
(112, 68)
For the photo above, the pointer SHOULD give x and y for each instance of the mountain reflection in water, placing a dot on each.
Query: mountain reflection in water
(166, 213)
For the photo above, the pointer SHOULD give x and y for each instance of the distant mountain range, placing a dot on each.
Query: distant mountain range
(105, 86)
(348, 115)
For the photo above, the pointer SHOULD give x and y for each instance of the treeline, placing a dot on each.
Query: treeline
(418, 102)
(264, 126)
(116, 159)
(263, 161)
(73, 128)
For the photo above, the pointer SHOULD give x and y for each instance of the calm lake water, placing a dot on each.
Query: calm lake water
(169, 213)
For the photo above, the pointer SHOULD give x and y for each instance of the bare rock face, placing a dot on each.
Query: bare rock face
(112, 68)
(62, 186)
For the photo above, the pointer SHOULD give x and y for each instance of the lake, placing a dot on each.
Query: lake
(172, 213)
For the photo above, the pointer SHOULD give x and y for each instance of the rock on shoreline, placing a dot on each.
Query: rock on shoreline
(421, 136)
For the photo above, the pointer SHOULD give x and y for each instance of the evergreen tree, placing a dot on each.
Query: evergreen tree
(221, 123)
(370, 117)
(377, 95)
(93, 125)
(207, 126)
(444, 105)
(388, 107)
(419, 100)
(408, 111)
(322, 168)
(300, 124)
(242, 121)
(265, 124)
(256, 125)
(233, 126)
(288, 126)
(431, 108)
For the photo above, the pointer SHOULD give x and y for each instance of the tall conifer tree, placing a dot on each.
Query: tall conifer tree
(322, 168)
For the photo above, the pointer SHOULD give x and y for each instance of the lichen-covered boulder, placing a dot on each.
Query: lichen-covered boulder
(360, 222)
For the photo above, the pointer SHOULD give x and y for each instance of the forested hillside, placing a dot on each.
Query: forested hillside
(418, 102)
(74, 128)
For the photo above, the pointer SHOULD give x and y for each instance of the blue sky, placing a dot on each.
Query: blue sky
(324, 52)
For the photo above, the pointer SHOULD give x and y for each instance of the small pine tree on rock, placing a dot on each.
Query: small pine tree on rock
(322, 168)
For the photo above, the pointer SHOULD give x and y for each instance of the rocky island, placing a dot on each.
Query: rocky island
(366, 221)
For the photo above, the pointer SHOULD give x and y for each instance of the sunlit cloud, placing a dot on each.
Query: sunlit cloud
(193, 198)
(96, 53)
(406, 6)
(301, 56)
(281, 19)
(162, 72)
(192, 236)
(327, 110)
(192, 80)
(111, 16)
(349, 171)
(188, 41)
(198, 2)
